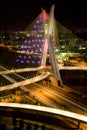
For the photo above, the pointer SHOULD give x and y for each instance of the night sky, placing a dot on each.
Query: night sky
(18, 14)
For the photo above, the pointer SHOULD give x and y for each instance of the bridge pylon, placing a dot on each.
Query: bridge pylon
(51, 48)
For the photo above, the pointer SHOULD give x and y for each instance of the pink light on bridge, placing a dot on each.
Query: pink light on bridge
(44, 16)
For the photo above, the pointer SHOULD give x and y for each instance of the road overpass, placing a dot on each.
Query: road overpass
(43, 111)
(25, 82)
(72, 68)
(6, 71)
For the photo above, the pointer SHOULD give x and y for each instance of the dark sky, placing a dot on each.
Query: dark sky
(18, 14)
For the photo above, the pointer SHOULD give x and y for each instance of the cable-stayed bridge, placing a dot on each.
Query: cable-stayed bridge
(25, 49)
(30, 50)
(22, 51)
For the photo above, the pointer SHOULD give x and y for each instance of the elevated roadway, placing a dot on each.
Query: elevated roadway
(72, 68)
(6, 71)
(25, 82)
(44, 111)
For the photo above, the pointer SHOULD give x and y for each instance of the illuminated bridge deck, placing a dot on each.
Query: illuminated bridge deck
(45, 110)
(38, 113)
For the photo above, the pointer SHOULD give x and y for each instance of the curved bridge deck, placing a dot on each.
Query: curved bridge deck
(13, 109)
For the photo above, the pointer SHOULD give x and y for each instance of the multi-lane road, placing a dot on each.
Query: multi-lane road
(51, 96)
(57, 98)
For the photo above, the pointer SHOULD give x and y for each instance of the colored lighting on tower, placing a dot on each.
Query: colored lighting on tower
(44, 16)
(34, 42)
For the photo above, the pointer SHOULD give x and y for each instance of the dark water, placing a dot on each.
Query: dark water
(76, 79)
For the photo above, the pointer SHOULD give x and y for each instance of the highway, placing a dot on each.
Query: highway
(58, 96)
(72, 68)
(45, 100)
(6, 71)
(48, 96)
(50, 93)
(25, 82)
(42, 97)
(48, 110)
